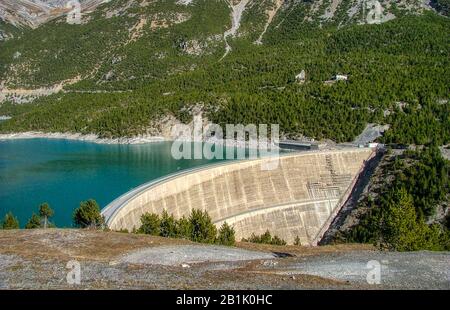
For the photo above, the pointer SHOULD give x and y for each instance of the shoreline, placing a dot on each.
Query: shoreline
(93, 138)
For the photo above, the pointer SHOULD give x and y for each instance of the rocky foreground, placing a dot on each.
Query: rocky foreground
(49, 259)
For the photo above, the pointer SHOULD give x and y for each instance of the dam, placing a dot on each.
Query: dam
(298, 198)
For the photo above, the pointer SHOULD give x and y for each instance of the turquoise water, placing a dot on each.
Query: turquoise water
(63, 173)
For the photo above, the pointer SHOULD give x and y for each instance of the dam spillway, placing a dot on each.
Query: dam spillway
(299, 197)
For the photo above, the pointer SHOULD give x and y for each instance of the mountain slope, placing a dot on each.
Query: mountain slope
(32, 13)
(131, 63)
(113, 38)
(130, 40)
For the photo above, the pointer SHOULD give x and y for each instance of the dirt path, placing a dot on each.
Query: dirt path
(191, 254)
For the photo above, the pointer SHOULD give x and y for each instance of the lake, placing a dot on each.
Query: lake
(65, 172)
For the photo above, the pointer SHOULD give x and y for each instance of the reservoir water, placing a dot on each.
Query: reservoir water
(65, 172)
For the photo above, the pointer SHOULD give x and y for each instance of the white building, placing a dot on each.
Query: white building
(301, 77)
(340, 77)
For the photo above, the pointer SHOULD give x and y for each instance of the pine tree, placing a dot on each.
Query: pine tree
(203, 230)
(168, 225)
(150, 224)
(401, 230)
(226, 235)
(10, 221)
(46, 213)
(33, 222)
(88, 215)
(184, 228)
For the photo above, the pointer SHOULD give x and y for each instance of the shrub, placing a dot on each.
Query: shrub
(88, 215)
(277, 241)
(150, 224)
(226, 235)
(265, 238)
(10, 221)
(33, 222)
(168, 225)
(203, 230)
(198, 228)
(184, 228)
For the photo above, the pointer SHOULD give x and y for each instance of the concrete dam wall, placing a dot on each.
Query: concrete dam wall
(300, 197)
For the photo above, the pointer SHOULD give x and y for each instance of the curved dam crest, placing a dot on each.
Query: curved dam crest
(300, 197)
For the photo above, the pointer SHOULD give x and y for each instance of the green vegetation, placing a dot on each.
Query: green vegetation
(88, 215)
(8, 31)
(397, 219)
(198, 228)
(426, 179)
(10, 222)
(168, 226)
(46, 213)
(41, 220)
(442, 6)
(184, 228)
(34, 222)
(265, 238)
(202, 228)
(150, 224)
(397, 74)
(403, 230)
(427, 124)
(226, 235)
(58, 51)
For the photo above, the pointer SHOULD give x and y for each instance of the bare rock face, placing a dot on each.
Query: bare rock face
(109, 76)
(32, 13)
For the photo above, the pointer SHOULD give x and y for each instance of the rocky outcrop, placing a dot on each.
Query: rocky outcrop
(31, 13)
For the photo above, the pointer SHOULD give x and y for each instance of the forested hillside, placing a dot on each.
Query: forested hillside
(130, 62)
(407, 212)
